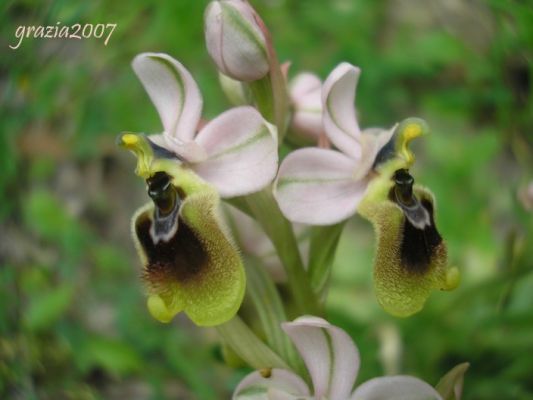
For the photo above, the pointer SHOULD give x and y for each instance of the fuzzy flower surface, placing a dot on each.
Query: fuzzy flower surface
(321, 186)
(333, 361)
(191, 263)
(236, 152)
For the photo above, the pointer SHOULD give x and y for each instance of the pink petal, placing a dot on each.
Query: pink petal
(173, 92)
(242, 152)
(303, 84)
(305, 93)
(317, 186)
(280, 381)
(329, 354)
(185, 151)
(307, 123)
(372, 141)
(338, 96)
(395, 388)
(276, 394)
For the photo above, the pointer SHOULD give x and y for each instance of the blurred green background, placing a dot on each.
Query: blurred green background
(73, 323)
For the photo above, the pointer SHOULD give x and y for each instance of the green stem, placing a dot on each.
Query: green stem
(324, 241)
(265, 297)
(279, 230)
(236, 334)
(271, 99)
(263, 95)
(280, 97)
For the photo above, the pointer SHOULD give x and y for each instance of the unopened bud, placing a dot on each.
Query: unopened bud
(235, 40)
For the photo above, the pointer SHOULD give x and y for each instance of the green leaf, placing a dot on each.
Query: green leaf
(269, 307)
(451, 385)
(115, 357)
(45, 215)
(324, 241)
(46, 308)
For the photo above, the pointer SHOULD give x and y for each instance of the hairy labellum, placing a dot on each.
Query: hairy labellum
(190, 262)
(411, 257)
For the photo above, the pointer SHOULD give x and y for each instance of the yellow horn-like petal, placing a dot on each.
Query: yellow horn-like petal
(140, 146)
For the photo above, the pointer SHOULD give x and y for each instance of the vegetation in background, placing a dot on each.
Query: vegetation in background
(73, 323)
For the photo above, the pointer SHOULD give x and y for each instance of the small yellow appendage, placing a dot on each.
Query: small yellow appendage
(453, 278)
(159, 309)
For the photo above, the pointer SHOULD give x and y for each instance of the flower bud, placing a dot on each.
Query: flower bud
(235, 40)
(305, 94)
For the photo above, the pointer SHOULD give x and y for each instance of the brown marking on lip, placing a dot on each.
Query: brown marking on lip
(180, 259)
(419, 247)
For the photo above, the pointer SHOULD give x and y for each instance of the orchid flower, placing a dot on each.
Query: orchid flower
(370, 175)
(322, 186)
(235, 152)
(332, 360)
(305, 92)
(191, 263)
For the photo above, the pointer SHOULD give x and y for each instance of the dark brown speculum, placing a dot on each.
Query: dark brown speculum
(180, 258)
(420, 240)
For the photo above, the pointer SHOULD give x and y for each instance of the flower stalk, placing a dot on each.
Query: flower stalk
(324, 241)
(265, 209)
(269, 307)
(236, 334)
